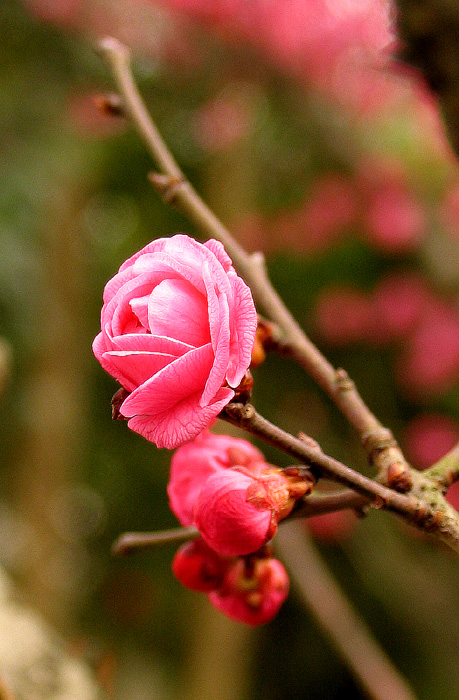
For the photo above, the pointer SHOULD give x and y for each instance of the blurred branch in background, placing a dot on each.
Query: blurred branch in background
(345, 630)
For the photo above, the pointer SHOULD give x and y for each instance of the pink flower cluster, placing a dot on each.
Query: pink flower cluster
(327, 42)
(225, 488)
(249, 589)
(401, 310)
(178, 328)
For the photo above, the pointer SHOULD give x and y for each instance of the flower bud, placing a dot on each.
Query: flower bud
(237, 511)
(198, 567)
(252, 594)
(193, 463)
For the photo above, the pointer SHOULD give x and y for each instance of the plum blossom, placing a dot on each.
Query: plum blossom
(237, 512)
(196, 461)
(178, 327)
(252, 594)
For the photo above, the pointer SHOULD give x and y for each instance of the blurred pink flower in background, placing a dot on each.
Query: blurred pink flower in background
(429, 362)
(428, 437)
(332, 527)
(450, 210)
(392, 217)
(343, 315)
(398, 303)
(328, 210)
(65, 13)
(322, 41)
(221, 122)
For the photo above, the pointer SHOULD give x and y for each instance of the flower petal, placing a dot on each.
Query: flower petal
(145, 342)
(176, 309)
(183, 377)
(182, 422)
(134, 368)
(243, 328)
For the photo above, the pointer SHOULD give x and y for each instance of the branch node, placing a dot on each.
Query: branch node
(399, 477)
(309, 441)
(377, 440)
(242, 414)
(167, 186)
(343, 381)
(110, 104)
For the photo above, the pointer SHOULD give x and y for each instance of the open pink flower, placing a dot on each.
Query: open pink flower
(193, 463)
(178, 327)
(252, 595)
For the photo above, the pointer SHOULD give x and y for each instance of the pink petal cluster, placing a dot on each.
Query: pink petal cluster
(248, 590)
(237, 512)
(193, 463)
(225, 488)
(252, 592)
(178, 327)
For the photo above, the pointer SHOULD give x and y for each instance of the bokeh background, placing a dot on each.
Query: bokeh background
(296, 124)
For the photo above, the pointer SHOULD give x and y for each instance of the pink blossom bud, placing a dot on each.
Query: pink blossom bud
(237, 512)
(198, 567)
(194, 462)
(252, 594)
(178, 327)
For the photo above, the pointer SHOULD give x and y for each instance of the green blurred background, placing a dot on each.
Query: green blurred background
(311, 180)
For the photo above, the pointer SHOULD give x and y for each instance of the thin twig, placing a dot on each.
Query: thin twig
(130, 542)
(172, 184)
(329, 503)
(346, 631)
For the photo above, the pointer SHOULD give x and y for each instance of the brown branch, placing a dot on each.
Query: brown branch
(328, 503)
(379, 443)
(345, 630)
(424, 506)
(130, 542)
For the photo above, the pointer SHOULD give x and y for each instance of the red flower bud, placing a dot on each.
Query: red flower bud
(198, 567)
(252, 594)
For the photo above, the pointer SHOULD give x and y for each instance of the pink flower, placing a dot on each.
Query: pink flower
(252, 594)
(178, 327)
(198, 567)
(193, 463)
(237, 511)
